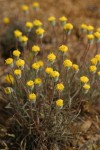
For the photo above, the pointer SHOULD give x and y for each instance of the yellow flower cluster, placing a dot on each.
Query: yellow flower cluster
(84, 27)
(37, 23)
(32, 97)
(35, 5)
(60, 87)
(25, 8)
(16, 53)
(84, 79)
(94, 61)
(30, 83)
(63, 19)
(59, 103)
(37, 81)
(17, 33)
(24, 39)
(63, 48)
(86, 86)
(40, 31)
(9, 61)
(90, 29)
(68, 27)
(51, 19)
(93, 69)
(37, 65)
(6, 20)
(35, 49)
(9, 79)
(98, 57)
(20, 63)
(8, 90)
(29, 25)
(75, 67)
(67, 63)
(51, 57)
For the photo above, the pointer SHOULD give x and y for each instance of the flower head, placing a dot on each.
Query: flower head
(52, 20)
(67, 63)
(93, 69)
(8, 90)
(30, 84)
(9, 61)
(6, 20)
(25, 8)
(55, 75)
(75, 67)
(98, 57)
(32, 97)
(84, 79)
(37, 81)
(63, 20)
(51, 57)
(94, 61)
(36, 66)
(35, 49)
(83, 27)
(63, 48)
(40, 32)
(98, 73)
(29, 26)
(90, 38)
(24, 39)
(90, 29)
(18, 73)
(16, 53)
(9, 79)
(97, 36)
(35, 5)
(59, 103)
(37, 23)
(86, 87)
(20, 63)
(68, 27)
(48, 70)
(17, 33)
(60, 87)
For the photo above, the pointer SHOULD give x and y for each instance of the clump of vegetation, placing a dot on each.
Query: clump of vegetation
(45, 92)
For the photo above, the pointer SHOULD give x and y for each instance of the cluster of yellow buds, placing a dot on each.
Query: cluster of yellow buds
(20, 63)
(93, 61)
(52, 20)
(68, 28)
(85, 81)
(97, 36)
(40, 32)
(16, 53)
(63, 20)
(37, 23)
(30, 84)
(86, 87)
(9, 62)
(75, 67)
(90, 38)
(32, 97)
(23, 40)
(93, 69)
(38, 81)
(9, 79)
(83, 27)
(17, 34)
(63, 49)
(98, 57)
(8, 90)
(37, 65)
(6, 20)
(35, 5)
(51, 57)
(90, 29)
(67, 64)
(29, 26)
(59, 103)
(17, 73)
(35, 49)
(25, 9)
(60, 87)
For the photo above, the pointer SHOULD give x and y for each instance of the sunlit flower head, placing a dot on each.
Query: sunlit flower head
(67, 63)
(35, 5)
(25, 8)
(29, 26)
(17, 33)
(63, 20)
(20, 63)
(38, 81)
(6, 20)
(93, 69)
(17, 73)
(90, 29)
(90, 38)
(97, 36)
(32, 97)
(52, 20)
(68, 27)
(9, 79)
(75, 67)
(48, 70)
(55, 75)
(51, 57)
(37, 23)
(8, 90)
(83, 27)
(98, 57)
(30, 84)
(98, 73)
(35, 49)
(84, 79)
(63, 48)
(86, 87)
(9, 62)
(16, 53)
(60, 87)
(40, 32)
(36, 66)
(59, 103)
(93, 61)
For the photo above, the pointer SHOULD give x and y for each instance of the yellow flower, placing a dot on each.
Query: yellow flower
(29, 25)
(63, 48)
(40, 62)
(37, 23)
(83, 26)
(93, 68)
(51, 57)
(38, 81)
(97, 35)
(90, 36)
(98, 29)
(8, 90)
(35, 5)
(24, 39)
(17, 72)
(17, 33)
(35, 48)
(63, 19)
(75, 67)
(16, 53)
(67, 63)
(25, 8)
(54, 74)
(9, 79)
(6, 20)
(68, 26)
(90, 28)
(60, 87)
(9, 61)
(59, 103)
(98, 73)
(86, 86)
(36, 66)
(48, 70)
(40, 31)
(30, 83)
(84, 79)
(94, 61)
(32, 97)
(20, 63)
(98, 57)
(52, 18)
